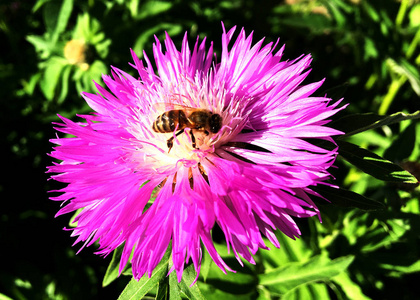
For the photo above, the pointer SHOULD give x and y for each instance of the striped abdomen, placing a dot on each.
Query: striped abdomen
(168, 121)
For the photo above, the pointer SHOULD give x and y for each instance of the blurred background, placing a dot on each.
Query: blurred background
(51, 50)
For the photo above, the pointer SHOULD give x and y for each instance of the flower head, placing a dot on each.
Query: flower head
(249, 174)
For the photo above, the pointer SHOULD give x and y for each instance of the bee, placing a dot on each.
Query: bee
(197, 119)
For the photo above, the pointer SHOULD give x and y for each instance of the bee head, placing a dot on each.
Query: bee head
(215, 123)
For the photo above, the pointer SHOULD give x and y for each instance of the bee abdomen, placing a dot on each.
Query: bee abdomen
(155, 125)
(167, 121)
(162, 124)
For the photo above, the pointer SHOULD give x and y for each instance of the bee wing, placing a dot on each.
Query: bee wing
(162, 107)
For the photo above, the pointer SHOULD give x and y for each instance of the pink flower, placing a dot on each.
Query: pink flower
(250, 176)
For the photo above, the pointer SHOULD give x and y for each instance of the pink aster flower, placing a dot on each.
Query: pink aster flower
(243, 163)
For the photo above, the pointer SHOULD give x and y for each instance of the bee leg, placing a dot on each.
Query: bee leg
(170, 141)
(193, 140)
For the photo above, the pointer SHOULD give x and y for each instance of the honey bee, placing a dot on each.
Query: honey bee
(187, 117)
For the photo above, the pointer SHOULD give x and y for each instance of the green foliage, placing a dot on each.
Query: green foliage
(367, 245)
(292, 275)
(138, 289)
(112, 272)
(373, 164)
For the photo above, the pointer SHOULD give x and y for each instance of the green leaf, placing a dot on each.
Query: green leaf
(163, 289)
(39, 4)
(188, 277)
(205, 265)
(63, 17)
(57, 17)
(346, 198)
(138, 289)
(336, 92)
(231, 286)
(72, 223)
(357, 123)
(337, 13)
(407, 70)
(315, 23)
(290, 251)
(292, 275)
(42, 46)
(29, 86)
(146, 35)
(133, 6)
(169, 288)
(403, 145)
(112, 271)
(414, 16)
(373, 164)
(384, 235)
(308, 291)
(39, 42)
(351, 289)
(371, 50)
(151, 9)
(64, 83)
(376, 239)
(51, 76)
(4, 297)
(370, 10)
(174, 291)
(398, 271)
(263, 293)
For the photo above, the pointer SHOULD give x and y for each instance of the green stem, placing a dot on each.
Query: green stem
(413, 45)
(392, 92)
(401, 12)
